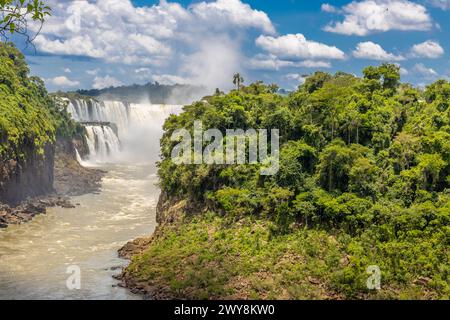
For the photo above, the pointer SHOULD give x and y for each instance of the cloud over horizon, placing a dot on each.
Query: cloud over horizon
(373, 51)
(296, 46)
(428, 49)
(115, 42)
(165, 34)
(365, 17)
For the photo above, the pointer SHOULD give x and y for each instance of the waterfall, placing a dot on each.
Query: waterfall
(100, 111)
(77, 154)
(139, 127)
(103, 143)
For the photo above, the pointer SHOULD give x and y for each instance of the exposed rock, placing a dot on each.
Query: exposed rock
(69, 177)
(115, 268)
(423, 281)
(345, 260)
(31, 177)
(72, 179)
(30, 208)
(134, 247)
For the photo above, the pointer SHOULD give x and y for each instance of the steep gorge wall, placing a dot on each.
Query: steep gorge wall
(34, 176)
(69, 146)
(33, 126)
(20, 179)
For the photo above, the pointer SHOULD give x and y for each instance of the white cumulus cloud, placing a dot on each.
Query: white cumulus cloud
(370, 16)
(421, 70)
(93, 72)
(428, 49)
(268, 62)
(271, 62)
(63, 82)
(314, 64)
(234, 12)
(165, 35)
(373, 51)
(442, 4)
(295, 79)
(297, 46)
(117, 31)
(326, 7)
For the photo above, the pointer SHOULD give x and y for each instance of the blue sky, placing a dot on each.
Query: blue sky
(93, 44)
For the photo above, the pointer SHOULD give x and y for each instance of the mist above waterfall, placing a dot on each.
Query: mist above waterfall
(214, 62)
(141, 141)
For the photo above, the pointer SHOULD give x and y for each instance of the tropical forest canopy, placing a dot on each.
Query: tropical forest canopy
(366, 159)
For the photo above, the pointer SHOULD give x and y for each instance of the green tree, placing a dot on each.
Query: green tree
(404, 150)
(297, 161)
(29, 117)
(335, 164)
(16, 14)
(430, 168)
(238, 80)
(315, 81)
(364, 177)
(387, 76)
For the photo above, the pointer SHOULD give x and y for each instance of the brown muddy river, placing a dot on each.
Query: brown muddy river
(35, 257)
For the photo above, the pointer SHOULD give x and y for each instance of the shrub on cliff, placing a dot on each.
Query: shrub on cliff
(29, 118)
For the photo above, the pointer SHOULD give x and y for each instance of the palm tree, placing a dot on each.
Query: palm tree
(238, 80)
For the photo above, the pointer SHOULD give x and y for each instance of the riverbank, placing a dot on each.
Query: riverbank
(169, 214)
(71, 179)
(204, 255)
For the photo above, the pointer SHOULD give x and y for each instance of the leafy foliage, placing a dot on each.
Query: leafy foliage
(29, 117)
(364, 157)
(16, 14)
(213, 257)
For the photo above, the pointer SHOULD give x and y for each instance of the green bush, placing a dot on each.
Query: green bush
(29, 117)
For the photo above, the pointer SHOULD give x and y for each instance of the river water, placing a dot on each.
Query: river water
(38, 258)
(34, 257)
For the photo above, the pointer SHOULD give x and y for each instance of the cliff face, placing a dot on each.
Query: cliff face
(36, 176)
(34, 129)
(47, 180)
(28, 124)
(38, 163)
(68, 146)
(20, 179)
(72, 179)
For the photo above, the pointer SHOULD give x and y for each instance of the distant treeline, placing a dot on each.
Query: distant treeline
(151, 92)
